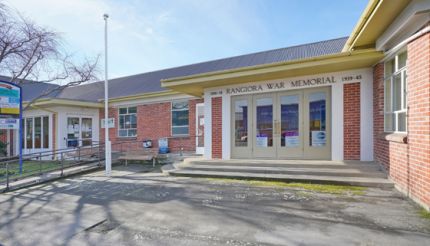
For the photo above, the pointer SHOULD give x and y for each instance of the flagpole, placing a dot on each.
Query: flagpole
(108, 157)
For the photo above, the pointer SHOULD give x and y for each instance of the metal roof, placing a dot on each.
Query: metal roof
(151, 82)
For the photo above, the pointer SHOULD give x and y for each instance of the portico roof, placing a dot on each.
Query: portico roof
(195, 84)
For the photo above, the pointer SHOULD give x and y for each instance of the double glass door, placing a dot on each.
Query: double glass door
(284, 125)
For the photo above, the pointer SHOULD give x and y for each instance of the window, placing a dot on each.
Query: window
(73, 130)
(180, 118)
(127, 122)
(395, 108)
(36, 131)
(79, 131)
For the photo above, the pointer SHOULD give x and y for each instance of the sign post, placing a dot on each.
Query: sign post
(11, 111)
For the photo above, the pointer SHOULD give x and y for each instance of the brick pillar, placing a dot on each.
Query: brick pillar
(351, 119)
(217, 127)
(418, 98)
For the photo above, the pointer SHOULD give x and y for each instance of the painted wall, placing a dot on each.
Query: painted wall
(64, 112)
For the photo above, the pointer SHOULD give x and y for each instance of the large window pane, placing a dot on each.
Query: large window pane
(389, 122)
(73, 130)
(29, 133)
(241, 123)
(317, 119)
(86, 131)
(389, 68)
(404, 89)
(401, 60)
(180, 130)
(290, 121)
(387, 96)
(401, 122)
(46, 132)
(180, 118)
(397, 92)
(264, 122)
(37, 132)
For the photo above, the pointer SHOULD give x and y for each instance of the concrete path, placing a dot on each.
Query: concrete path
(134, 207)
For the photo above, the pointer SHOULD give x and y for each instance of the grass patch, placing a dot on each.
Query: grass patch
(321, 188)
(30, 168)
(424, 214)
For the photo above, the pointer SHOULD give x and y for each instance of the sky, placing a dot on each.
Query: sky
(149, 35)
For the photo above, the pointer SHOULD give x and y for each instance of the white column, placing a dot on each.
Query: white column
(337, 122)
(366, 118)
(208, 126)
(226, 114)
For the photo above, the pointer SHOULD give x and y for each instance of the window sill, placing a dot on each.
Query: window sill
(126, 138)
(395, 137)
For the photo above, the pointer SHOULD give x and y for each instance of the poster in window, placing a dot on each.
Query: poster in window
(261, 141)
(292, 139)
(318, 138)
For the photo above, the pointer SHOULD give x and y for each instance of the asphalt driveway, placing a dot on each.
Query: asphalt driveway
(134, 207)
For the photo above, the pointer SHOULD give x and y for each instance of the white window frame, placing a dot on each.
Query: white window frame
(403, 94)
(80, 139)
(171, 118)
(127, 129)
(33, 125)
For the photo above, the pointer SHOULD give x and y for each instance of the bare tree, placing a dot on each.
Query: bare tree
(31, 52)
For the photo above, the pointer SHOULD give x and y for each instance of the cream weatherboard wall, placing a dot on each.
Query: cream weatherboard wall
(364, 76)
(64, 112)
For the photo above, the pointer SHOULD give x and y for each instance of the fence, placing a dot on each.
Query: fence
(41, 163)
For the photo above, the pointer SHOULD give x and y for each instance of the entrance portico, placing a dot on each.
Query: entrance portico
(291, 118)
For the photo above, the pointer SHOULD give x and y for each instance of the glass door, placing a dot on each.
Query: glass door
(241, 117)
(317, 125)
(264, 126)
(200, 128)
(290, 127)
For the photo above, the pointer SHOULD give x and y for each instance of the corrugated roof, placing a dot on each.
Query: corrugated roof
(151, 82)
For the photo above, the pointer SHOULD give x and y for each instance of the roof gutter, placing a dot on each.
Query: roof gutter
(142, 96)
(364, 18)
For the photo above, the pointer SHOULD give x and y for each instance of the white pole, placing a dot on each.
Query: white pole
(108, 160)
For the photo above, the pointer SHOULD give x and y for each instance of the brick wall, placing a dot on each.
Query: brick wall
(419, 117)
(153, 122)
(407, 160)
(217, 127)
(351, 119)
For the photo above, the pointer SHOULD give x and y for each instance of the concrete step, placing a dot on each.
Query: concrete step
(365, 166)
(346, 172)
(317, 179)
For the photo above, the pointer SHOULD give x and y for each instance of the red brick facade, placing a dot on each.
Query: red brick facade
(351, 119)
(407, 158)
(154, 121)
(217, 127)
